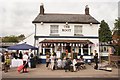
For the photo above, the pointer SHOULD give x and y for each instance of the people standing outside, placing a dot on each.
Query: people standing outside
(74, 64)
(52, 59)
(0, 54)
(25, 62)
(96, 60)
(55, 61)
(32, 60)
(7, 62)
(47, 60)
(66, 51)
(3, 61)
(20, 55)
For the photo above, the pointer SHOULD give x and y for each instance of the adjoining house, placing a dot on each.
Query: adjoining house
(76, 33)
(113, 44)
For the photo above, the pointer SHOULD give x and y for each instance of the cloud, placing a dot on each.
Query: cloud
(17, 15)
(119, 9)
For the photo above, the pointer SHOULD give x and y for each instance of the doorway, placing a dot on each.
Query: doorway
(68, 48)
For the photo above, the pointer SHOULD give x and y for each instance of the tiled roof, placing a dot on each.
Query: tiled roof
(62, 18)
(66, 41)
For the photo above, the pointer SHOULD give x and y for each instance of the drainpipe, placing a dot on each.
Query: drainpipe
(35, 39)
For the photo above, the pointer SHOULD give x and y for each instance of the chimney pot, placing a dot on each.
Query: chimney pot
(86, 10)
(42, 9)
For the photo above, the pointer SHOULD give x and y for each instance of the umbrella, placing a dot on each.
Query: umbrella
(22, 46)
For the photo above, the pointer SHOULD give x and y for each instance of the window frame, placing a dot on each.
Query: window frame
(54, 30)
(78, 31)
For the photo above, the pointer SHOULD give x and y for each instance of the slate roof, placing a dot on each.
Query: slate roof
(62, 18)
(66, 41)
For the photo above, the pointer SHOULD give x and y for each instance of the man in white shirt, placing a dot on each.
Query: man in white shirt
(25, 62)
(74, 62)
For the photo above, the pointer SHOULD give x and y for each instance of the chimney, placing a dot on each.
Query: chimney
(86, 10)
(41, 9)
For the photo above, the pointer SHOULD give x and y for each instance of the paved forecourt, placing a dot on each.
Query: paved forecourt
(41, 71)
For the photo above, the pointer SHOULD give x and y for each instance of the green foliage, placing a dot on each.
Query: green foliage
(21, 37)
(117, 30)
(117, 26)
(13, 38)
(105, 33)
(10, 39)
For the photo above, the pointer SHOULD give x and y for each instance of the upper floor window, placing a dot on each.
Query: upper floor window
(54, 29)
(77, 30)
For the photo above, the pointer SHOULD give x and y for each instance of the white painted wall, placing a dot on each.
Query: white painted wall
(44, 30)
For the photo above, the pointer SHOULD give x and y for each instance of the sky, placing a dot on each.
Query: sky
(16, 16)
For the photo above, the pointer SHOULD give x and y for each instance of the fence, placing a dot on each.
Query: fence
(114, 60)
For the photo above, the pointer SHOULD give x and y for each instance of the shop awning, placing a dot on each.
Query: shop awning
(67, 41)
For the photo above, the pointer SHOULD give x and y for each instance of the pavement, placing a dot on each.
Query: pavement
(42, 72)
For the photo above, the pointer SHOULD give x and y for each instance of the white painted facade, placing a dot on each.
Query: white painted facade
(87, 30)
(78, 33)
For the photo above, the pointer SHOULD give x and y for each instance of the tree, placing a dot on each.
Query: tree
(13, 38)
(117, 24)
(105, 33)
(10, 39)
(116, 36)
(21, 37)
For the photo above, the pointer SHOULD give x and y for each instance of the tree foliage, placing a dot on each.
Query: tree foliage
(117, 35)
(117, 26)
(105, 33)
(13, 38)
(21, 37)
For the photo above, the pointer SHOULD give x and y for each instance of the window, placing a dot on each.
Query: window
(79, 53)
(85, 49)
(77, 30)
(54, 29)
(103, 49)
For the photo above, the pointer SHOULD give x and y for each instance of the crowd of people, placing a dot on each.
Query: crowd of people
(6, 60)
(68, 64)
(52, 62)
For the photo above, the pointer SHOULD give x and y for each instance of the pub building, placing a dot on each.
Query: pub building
(74, 34)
